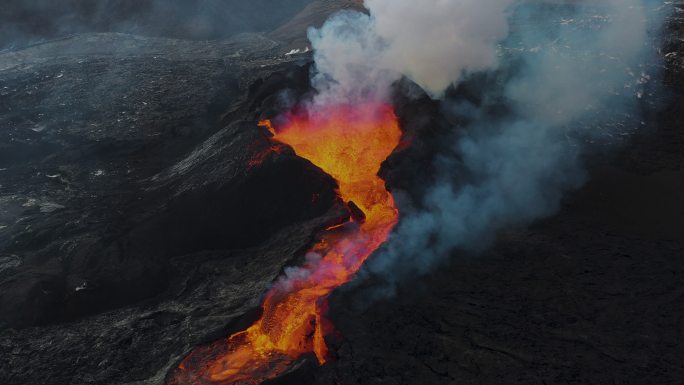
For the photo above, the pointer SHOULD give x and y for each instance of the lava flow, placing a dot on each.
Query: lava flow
(349, 143)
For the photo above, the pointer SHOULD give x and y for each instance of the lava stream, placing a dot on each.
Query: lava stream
(349, 143)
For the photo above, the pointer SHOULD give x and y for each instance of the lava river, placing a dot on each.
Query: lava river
(349, 143)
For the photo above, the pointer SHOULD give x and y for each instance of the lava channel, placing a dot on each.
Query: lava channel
(349, 143)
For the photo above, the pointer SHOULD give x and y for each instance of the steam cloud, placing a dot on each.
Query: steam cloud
(359, 56)
(579, 67)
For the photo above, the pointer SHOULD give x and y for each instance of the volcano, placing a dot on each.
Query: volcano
(177, 210)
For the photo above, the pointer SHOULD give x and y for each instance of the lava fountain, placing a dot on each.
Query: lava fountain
(349, 142)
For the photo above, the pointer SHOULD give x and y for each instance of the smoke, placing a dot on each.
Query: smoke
(359, 56)
(565, 74)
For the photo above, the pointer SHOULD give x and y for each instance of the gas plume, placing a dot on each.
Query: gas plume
(563, 75)
(581, 73)
(359, 56)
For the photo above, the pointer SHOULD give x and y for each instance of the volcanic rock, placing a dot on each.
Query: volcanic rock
(313, 15)
(134, 223)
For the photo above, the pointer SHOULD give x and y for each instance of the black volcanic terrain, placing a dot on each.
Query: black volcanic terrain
(143, 212)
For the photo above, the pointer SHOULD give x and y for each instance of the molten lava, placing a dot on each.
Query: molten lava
(349, 143)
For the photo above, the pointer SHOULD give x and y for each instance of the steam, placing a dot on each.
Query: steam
(579, 70)
(358, 56)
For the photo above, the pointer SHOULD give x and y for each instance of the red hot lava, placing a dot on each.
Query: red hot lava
(349, 143)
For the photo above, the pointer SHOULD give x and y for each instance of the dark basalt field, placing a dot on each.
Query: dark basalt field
(143, 213)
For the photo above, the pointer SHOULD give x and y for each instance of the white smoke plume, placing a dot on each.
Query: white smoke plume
(578, 70)
(358, 56)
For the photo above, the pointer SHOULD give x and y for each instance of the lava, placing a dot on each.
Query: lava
(349, 143)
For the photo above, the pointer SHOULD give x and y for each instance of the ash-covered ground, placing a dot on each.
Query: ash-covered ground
(143, 212)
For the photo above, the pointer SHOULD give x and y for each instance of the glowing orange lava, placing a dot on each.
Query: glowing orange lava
(349, 143)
